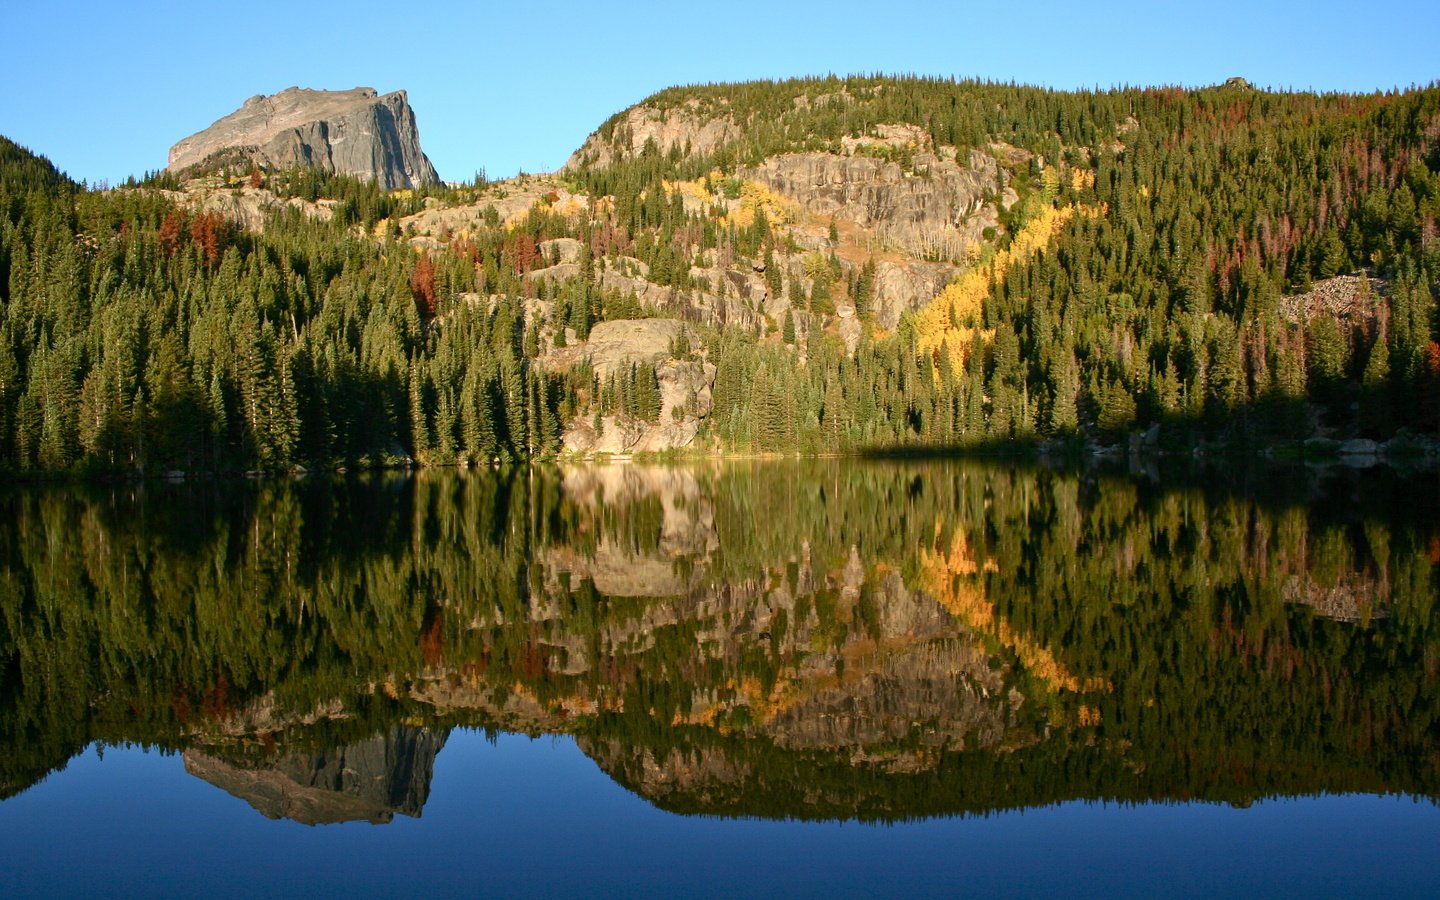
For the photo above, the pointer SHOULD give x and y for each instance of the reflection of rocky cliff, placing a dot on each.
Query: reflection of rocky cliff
(893, 712)
(370, 780)
(836, 662)
(679, 525)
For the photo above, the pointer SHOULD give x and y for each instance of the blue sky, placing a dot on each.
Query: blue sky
(104, 89)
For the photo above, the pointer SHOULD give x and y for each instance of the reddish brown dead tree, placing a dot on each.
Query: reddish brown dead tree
(422, 285)
(170, 231)
(210, 233)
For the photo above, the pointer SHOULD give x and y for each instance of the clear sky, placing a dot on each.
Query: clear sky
(104, 88)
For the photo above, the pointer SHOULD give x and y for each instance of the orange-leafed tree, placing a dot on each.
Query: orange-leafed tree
(422, 285)
(523, 251)
(432, 637)
(171, 231)
(1430, 388)
(210, 233)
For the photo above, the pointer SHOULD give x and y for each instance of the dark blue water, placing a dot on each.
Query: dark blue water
(535, 817)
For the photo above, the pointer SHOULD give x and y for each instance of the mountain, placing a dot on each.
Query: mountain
(821, 265)
(355, 132)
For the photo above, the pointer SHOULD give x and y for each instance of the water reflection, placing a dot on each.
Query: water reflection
(368, 780)
(812, 640)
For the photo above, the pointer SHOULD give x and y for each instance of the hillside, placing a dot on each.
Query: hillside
(852, 265)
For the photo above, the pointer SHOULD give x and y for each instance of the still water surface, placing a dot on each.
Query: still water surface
(833, 679)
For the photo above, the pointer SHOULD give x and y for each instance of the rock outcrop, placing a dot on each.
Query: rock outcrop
(683, 128)
(355, 132)
(685, 385)
(936, 206)
(508, 201)
(247, 207)
(905, 285)
(917, 210)
(1355, 300)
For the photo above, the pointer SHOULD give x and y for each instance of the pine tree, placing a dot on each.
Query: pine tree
(865, 289)
(1375, 404)
(420, 438)
(1327, 355)
(1117, 409)
(1064, 413)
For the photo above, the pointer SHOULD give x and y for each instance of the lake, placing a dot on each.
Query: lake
(806, 678)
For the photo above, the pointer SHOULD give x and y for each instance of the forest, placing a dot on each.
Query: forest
(1164, 234)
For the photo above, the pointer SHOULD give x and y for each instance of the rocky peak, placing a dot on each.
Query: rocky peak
(355, 132)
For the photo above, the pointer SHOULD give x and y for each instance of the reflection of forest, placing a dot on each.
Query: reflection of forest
(826, 639)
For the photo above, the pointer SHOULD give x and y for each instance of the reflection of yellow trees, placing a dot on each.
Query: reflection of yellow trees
(951, 578)
(765, 705)
(747, 691)
(791, 687)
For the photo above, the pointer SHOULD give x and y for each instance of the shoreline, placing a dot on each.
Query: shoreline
(1408, 455)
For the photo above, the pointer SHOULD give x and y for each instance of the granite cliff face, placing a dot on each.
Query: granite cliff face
(916, 211)
(355, 132)
(685, 385)
(938, 207)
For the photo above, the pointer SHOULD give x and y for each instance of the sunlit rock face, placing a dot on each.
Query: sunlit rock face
(685, 385)
(355, 132)
(683, 128)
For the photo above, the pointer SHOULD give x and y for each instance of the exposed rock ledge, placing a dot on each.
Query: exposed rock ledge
(685, 386)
